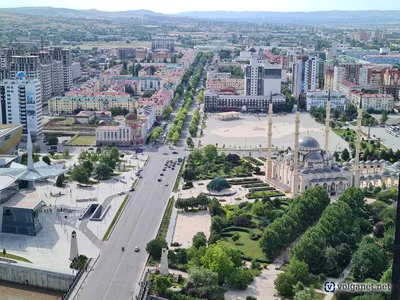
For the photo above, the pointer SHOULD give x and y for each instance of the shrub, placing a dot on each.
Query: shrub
(255, 236)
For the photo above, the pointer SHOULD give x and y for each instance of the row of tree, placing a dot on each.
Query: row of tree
(194, 123)
(200, 95)
(199, 202)
(302, 212)
(155, 135)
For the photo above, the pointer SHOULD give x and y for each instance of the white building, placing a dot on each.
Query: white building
(147, 113)
(262, 79)
(304, 74)
(63, 55)
(21, 103)
(320, 98)
(378, 102)
(113, 135)
(76, 70)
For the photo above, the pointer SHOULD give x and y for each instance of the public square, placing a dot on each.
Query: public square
(250, 131)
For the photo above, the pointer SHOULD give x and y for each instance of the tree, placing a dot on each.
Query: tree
(161, 283)
(284, 284)
(46, 159)
(214, 237)
(60, 180)
(240, 278)
(4, 252)
(218, 184)
(345, 154)
(88, 167)
(154, 247)
(52, 140)
(201, 277)
(129, 89)
(80, 175)
(369, 261)
(188, 174)
(235, 237)
(66, 153)
(234, 159)
(36, 149)
(218, 260)
(189, 142)
(167, 113)
(299, 270)
(215, 207)
(210, 152)
(103, 171)
(175, 137)
(199, 240)
(384, 117)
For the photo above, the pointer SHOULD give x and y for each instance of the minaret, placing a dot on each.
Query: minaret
(356, 167)
(327, 122)
(268, 172)
(73, 253)
(29, 150)
(296, 150)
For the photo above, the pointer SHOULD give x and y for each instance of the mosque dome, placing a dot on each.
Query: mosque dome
(21, 75)
(347, 164)
(309, 143)
(345, 169)
(314, 157)
(385, 173)
(362, 177)
(377, 176)
(375, 162)
(368, 162)
(382, 161)
(305, 171)
(397, 165)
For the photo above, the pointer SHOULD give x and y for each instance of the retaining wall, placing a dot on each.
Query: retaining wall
(35, 277)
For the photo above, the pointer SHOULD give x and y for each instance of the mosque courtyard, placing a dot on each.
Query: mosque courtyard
(250, 132)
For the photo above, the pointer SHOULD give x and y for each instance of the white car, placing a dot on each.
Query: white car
(121, 193)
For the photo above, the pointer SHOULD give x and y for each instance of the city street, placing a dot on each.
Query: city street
(116, 274)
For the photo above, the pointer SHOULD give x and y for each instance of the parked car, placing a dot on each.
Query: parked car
(121, 193)
(132, 190)
(174, 152)
(159, 180)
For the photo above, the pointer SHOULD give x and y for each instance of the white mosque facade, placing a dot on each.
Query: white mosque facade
(308, 165)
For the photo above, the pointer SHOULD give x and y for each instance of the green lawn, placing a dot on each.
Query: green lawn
(114, 221)
(82, 140)
(249, 247)
(15, 257)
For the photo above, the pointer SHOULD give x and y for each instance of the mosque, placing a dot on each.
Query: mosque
(309, 165)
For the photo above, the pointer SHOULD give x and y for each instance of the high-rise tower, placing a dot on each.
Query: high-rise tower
(269, 148)
(296, 150)
(327, 122)
(358, 142)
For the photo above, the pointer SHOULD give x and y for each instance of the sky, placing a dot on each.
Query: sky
(175, 6)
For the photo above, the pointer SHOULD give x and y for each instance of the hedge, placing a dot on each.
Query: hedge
(250, 185)
(266, 193)
(261, 189)
(234, 228)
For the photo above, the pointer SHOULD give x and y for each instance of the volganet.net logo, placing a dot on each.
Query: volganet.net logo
(332, 287)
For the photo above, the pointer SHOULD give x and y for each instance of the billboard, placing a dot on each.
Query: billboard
(31, 110)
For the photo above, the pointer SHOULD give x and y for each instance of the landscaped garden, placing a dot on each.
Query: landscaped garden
(208, 164)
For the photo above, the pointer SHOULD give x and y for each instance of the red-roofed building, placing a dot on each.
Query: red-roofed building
(377, 102)
(160, 100)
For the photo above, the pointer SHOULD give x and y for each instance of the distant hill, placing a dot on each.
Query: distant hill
(333, 16)
(326, 17)
(74, 13)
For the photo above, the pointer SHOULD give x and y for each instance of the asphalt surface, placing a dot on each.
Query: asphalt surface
(116, 274)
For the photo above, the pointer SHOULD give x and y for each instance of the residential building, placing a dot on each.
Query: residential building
(160, 101)
(21, 103)
(57, 78)
(377, 102)
(346, 71)
(346, 87)
(320, 98)
(64, 55)
(329, 79)
(163, 43)
(391, 83)
(68, 104)
(218, 84)
(126, 53)
(147, 113)
(76, 70)
(29, 64)
(139, 84)
(304, 72)
(228, 101)
(262, 79)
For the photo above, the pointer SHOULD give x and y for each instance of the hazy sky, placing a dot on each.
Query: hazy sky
(174, 6)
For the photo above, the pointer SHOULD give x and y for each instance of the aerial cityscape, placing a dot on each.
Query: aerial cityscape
(187, 153)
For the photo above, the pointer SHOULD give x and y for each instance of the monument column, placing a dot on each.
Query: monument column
(296, 152)
(164, 262)
(327, 122)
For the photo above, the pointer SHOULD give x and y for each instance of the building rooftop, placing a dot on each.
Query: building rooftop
(85, 98)
(6, 181)
(27, 199)
(133, 78)
(7, 128)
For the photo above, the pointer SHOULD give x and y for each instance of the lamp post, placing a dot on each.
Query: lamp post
(395, 295)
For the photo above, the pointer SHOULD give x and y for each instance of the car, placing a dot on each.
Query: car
(137, 249)
(121, 193)
(174, 152)
(165, 153)
(132, 190)
(159, 180)
(164, 169)
(162, 174)
(166, 184)
(90, 149)
(173, 168)
(140, 176)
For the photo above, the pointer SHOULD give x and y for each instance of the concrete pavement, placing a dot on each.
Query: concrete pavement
(116, 274)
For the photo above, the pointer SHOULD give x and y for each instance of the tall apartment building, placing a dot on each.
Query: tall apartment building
(126, 53)
(21, 103)
(29, 64)
(64, 55)
(262, 79)
(304, 75)
(163, 43)
(57, 75)
(348, 71)
(328, 82)
(76, 70)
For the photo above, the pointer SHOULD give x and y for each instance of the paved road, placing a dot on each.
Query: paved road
(116, 274)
